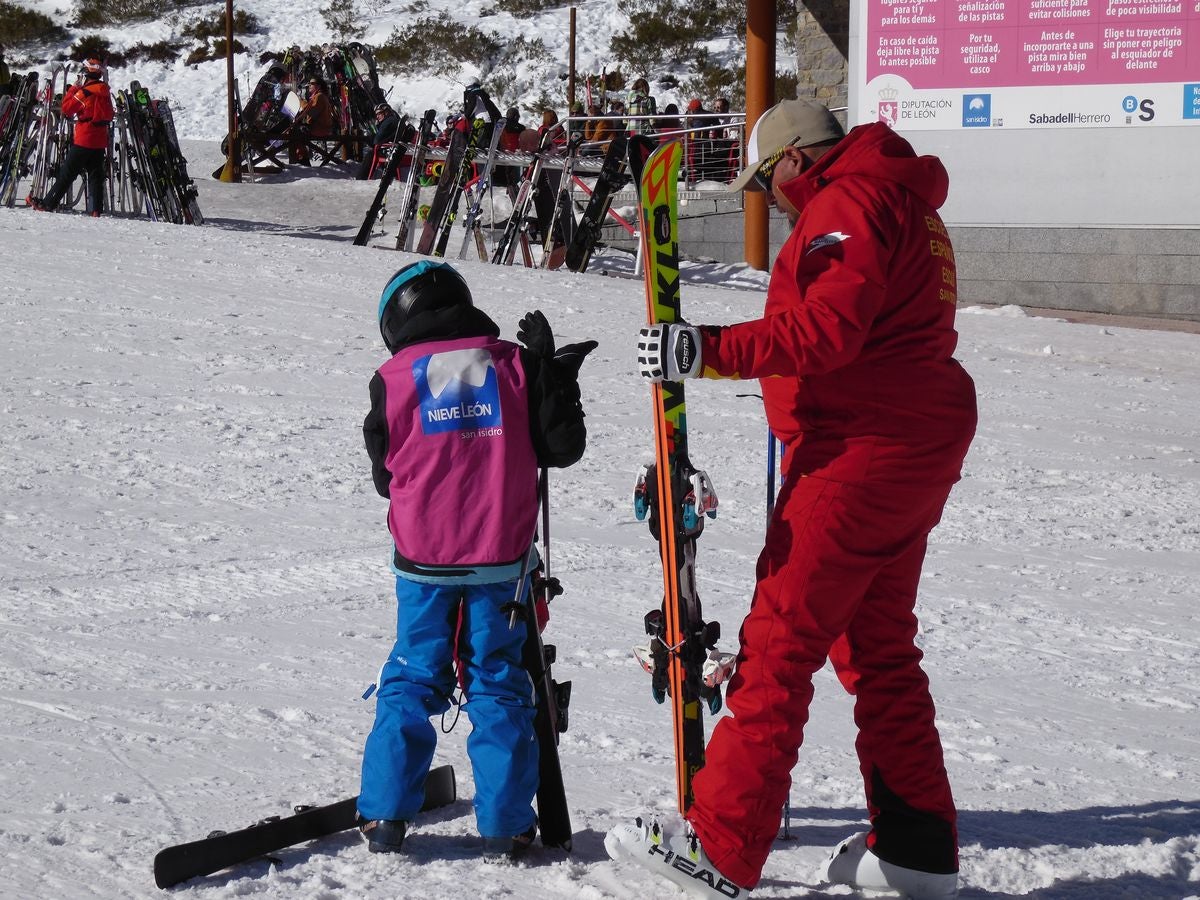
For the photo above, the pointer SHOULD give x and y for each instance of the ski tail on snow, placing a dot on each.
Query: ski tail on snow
(220, 850)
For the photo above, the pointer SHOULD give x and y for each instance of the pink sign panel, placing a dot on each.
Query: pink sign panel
(936, 44)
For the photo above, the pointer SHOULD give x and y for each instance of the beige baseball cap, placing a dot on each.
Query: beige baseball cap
(799, 122)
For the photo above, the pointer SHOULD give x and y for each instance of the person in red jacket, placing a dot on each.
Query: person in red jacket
(90, 105)
(854, 354)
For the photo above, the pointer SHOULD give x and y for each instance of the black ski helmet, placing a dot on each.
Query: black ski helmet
(418, 287)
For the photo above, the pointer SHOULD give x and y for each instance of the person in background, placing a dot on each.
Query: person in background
(641, 103)
(597, 132)
(510, 142)
(669, 122)
(390, 128)
(5, 75)
(724, 142)
(699, 159)
(616, 111)
(854, 356)
(89, 103)
(462, 511)
(313, 121)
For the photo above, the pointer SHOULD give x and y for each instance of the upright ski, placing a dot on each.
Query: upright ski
(446, 183)
(681, 656)
(610, 180)
(412, 185)
(221, 850)
(517, 227)
(395, 157)
(465, 168)
(554, 816)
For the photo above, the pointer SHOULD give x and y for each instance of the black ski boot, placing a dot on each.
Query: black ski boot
(502, 849)
(384, 835)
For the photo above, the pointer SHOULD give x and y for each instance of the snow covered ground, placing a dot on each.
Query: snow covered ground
(194, 588)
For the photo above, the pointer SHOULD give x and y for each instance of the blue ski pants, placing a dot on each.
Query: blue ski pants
(418, 682)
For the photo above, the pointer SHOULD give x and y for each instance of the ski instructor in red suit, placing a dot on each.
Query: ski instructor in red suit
(855, 356)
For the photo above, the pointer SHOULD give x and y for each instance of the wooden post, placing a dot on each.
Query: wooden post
(760, 96)
(233, 144)
(571, 66)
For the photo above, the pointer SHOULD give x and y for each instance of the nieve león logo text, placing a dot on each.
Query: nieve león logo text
(459, 391)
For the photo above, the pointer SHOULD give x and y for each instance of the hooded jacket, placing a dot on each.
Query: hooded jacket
(855, 347)
(91, 105)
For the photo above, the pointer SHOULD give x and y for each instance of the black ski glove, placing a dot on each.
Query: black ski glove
(534, 332)
(573, 355)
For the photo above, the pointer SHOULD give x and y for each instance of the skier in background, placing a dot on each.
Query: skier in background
(460, 422)
(313, 121)
(5, 75)
(641, 103)
(390, 127)
(89, 103)
(855, 359)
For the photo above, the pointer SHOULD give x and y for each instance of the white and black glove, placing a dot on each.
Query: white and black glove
(669, 352)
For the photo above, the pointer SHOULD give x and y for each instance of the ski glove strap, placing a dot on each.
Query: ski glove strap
(669, 352)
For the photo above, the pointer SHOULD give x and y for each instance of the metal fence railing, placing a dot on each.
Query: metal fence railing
(713, 143)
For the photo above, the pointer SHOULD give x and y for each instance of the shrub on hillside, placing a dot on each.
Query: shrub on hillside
(97, 47)
(437, 45)
(216, 50)
(342, 19)
(160, 52)
(522, 9)
(214, 26)
(20, 26)
(679, 30)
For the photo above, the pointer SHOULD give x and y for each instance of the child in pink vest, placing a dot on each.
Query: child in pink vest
(460, 423)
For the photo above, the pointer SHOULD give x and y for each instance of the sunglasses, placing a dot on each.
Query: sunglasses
(762, 175)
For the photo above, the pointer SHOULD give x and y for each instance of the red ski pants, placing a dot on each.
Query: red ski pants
(838, 578)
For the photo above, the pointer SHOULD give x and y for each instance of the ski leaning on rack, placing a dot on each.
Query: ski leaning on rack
(483, 188)
(681, 656)
(412, 185)
(222, 850)
(466, 168)
(517, 228)
(559, 229)
(610, 180)
(395, 158)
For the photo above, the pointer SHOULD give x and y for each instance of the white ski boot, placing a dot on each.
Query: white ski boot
(679, 858)
(853, 863)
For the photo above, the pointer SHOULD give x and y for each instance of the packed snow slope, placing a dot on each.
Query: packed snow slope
(194, 589)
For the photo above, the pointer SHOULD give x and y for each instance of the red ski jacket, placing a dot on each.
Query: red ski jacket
(854, 350)
(91, 105)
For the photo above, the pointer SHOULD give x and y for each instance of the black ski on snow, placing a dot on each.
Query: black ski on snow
(610, 180)
(222, 850)
(395, 157)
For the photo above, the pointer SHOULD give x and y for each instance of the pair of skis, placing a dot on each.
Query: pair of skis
(681, 655)
(396, 156)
